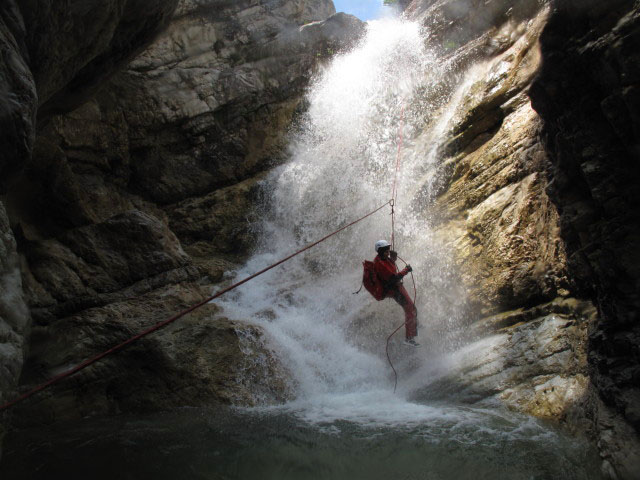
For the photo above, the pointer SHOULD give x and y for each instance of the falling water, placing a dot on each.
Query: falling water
(343, 159)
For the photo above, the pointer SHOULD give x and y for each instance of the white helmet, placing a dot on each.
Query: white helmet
(382, 244)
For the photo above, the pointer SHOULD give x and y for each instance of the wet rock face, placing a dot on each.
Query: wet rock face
(209, 103)
(454, 23)
(14, 315)
(202, 359)
(587, 96)
(134, 204)
(488, 190)
(17, 92)
(536, 197)
(532, 360)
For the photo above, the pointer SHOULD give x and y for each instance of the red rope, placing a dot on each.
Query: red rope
(395, 385)
(394, 197)
(164, 323)
(415, 295)
(394, 189)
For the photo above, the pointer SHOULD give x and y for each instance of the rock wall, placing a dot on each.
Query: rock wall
(587, 96)
(14, 315)
(37, 66)
(535, 196)
(74, 46)
(133, 205)
(207, 105)
(17, 92)
(133, 195)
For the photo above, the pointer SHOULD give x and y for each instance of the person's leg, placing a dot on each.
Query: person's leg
(401, 296)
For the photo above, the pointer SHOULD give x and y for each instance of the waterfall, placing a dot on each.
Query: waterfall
(342, 163)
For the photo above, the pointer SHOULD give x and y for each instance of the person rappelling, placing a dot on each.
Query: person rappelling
(383, 280)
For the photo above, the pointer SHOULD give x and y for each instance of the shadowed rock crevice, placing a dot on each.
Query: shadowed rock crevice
(585, 94)
(43, 46)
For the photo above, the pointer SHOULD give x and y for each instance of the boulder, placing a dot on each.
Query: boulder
(200, 360)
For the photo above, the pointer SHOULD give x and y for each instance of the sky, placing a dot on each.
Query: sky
(363, 9)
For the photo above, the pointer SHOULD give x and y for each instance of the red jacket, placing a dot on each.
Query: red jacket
(387, 272)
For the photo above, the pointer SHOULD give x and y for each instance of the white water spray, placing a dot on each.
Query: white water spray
(342, 163)
(343, 159)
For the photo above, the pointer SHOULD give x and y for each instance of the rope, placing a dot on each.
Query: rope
(415, 294)
(415, 291)
(395, 384)
(164, 323)
(394, 198)
(394, 189)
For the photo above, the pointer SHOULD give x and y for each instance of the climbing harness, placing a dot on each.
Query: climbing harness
(164, 323)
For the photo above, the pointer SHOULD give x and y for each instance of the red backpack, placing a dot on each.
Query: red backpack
(371, 281)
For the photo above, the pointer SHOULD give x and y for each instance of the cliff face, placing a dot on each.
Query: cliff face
(535, 193)
(14, 314)
(129, 184)
(489, 205)
(127, 209)
(39, 63)
(587, 94)
(17, 87)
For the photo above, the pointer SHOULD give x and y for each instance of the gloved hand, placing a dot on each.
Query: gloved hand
(393, 255)
(408, 268)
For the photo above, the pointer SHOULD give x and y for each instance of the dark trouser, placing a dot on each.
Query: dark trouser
(401, 296)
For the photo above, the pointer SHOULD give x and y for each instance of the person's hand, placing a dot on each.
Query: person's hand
(408, 268)
(393, 255)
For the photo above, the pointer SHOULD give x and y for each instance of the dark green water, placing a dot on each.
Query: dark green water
(457, 443)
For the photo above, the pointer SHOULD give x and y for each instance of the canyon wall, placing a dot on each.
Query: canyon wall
(587, 96)
(535, 195)
(133, 191)
(128, 186)
(45, 67)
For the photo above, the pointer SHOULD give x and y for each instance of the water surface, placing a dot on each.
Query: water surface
(443, 442)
